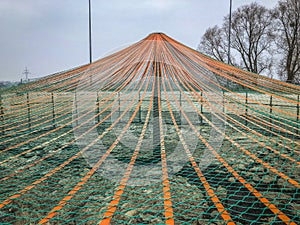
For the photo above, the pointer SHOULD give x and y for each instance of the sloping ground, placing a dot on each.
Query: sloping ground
(156, 133)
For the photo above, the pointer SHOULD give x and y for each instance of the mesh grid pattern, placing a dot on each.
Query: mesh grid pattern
(156, 133)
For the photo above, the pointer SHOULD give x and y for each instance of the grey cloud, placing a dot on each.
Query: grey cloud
(52, 35)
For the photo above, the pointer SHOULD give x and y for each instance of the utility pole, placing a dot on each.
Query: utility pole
(90, 31)
(229, 31)
(26, 72)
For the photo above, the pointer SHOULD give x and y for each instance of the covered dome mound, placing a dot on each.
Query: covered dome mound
(156, 133)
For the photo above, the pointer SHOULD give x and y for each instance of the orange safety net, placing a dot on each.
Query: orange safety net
(156, 133)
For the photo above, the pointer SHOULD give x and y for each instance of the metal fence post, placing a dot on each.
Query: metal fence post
(201, 108)
(98, 108)
(180, 105)
(119, 102)
(2, 115)
(298, 109)
(140, 109)
(246, 109)
(28, 111)
(271, 110)
(271, 104)
(53, 110)
(76, 106)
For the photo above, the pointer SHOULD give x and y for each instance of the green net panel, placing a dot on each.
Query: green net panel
(156, 133)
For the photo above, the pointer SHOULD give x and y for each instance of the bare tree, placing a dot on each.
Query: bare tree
(213, 43)
(252, 39)
(287, 13)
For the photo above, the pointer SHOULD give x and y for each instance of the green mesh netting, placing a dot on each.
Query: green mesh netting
(156, 133)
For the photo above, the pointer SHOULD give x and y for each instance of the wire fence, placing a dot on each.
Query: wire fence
(153, 134)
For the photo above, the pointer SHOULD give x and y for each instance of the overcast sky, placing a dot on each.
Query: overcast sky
(49, 36)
